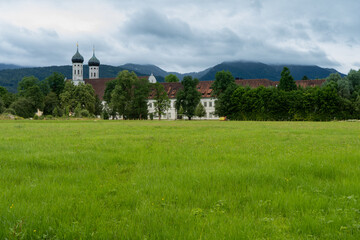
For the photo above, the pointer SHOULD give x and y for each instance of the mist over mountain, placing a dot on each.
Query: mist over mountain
(10, 75)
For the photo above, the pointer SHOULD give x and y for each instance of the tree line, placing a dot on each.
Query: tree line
(127, 97)
(338, 98)
(53, 96)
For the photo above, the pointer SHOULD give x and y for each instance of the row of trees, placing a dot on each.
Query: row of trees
(53, 96)
(127, 96)
(338, 98)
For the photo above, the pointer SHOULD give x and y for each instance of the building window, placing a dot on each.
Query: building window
(210, 104)
(174, 105)
(150, 105)
(75, 72)
(94, 74)
(205, 104)
(78, 71)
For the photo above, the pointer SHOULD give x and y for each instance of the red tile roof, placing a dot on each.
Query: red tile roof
(204, 87)
(99, 85)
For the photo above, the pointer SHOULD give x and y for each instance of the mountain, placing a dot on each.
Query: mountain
(252, 70)
(152, 69)
(9, 66)
(9, 78)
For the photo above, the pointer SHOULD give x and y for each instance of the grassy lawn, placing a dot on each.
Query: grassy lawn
(179, 180)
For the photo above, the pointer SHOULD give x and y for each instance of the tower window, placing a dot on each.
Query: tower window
(75, 72)
(94, 74)
(78, 71)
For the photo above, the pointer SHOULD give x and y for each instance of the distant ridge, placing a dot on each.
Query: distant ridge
(10, 76)
(250, 70)
(9, 66)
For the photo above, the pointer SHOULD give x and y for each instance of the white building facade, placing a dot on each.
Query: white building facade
(171, 113)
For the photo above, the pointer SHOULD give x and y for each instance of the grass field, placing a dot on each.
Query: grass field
(179, 180)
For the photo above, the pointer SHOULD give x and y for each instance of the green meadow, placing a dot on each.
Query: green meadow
(179, 180)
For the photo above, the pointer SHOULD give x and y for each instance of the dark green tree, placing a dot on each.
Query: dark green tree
(110, 86)
(23, 107)
(200, 110)
(162, 102)
(354, 78)
(188, 97)
(98, 106)
(51, 102)
(6, 97)
(287, 82)
(222, 81)
(139, 106)
(29, 87)
(129, 96)
(26, 83)
(56, 82)
(305, 78)
(3, 91)
(171, 78)
(223, 103)
(82, 95)
(2, 107)
(223, 87)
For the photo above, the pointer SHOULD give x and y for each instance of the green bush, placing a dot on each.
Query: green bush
(105, 115)
(2, 108)
(24, 107)
(10, 111)
(77, 111)
(36, 117)
(151, 115)
(84, 113)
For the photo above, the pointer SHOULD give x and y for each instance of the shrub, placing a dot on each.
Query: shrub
(2, 108)
(151, 116)
(84, 113)
(10, 111)
(23, 107)
(77, 111)
(36, 117)
(57, 112)
(105, 115)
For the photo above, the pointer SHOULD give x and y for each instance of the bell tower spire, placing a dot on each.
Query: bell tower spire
(94, 65)
(77, 67)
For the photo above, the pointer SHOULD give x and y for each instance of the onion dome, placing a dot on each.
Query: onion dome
(94, 61)
(77, 58)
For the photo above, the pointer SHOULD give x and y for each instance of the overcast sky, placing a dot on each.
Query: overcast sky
(186, 35)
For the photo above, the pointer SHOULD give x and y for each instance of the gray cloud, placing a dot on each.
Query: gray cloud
(181, 35)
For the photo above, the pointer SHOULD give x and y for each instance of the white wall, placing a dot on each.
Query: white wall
(77, 73)
(209, 104)
(93, 72)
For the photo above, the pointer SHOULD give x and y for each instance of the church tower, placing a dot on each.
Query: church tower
(94, 64)
(77, 69)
